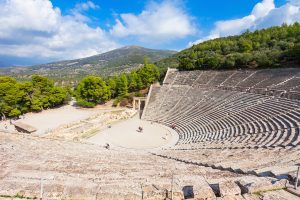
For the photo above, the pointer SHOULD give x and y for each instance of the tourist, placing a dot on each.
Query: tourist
(140, 129)
(173, 126)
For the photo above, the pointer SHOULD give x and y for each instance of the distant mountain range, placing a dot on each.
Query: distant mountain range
(113, 62)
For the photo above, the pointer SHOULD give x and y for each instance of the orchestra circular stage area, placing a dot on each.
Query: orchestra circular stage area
(136, 134)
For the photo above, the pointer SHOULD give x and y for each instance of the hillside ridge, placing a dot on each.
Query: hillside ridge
(113, 62)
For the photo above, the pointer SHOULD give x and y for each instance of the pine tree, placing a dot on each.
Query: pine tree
(122, 86)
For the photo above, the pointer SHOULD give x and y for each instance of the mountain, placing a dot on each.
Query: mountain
(266, 48)
(113, 62)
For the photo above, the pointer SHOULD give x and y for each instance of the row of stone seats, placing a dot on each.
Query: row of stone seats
(203, 111)
(286, 138)
(191, 78)
(255, 121)
(181, 78)
(264, 78)
(156, 96)
(217, 98)
(207, 76)
(291, 84)
(231, 116)
(269, 78)
(66, 169)
(189, 101)
(77, 169)
(219, 78)
(241, 121)
(169, 103)
(257, 77)
(169, 79)
(237, 77)
(265, 162)
(281, 80)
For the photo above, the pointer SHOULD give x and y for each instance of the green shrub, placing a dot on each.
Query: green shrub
(85, 104)
(124, 102)
(138, 94)
(14, 113)
(116, 102)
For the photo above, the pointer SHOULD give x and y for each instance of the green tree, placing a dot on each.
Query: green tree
(149, 73)
(9, 95)
(135, 82)
(112, 83)
(92, 90)
(58, 96)
(244, 45)
(42, 83)
(122, 86)
(42, 87)
(21, 97)
(26, 92)
(7, 79)
(36, 105)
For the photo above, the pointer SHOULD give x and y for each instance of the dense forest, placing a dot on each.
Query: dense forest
(272, 47)
(35, 95)
(93, 90)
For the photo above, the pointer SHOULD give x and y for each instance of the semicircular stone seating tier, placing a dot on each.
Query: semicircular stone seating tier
(229, 109)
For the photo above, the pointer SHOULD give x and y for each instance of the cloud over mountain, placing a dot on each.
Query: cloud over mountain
(34, 28)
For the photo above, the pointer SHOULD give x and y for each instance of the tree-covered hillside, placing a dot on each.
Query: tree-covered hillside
(272, 47)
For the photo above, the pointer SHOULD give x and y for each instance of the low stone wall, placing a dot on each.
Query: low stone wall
(88, 127)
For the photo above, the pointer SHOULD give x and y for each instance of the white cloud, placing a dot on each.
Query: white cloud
(262, 9)
(80, 8)
(34, 28)
(295, 2)
(263, 15)
(85, 6)
(158, 21)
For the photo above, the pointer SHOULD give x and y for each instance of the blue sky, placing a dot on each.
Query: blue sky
(204, 14)
(40, 31)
